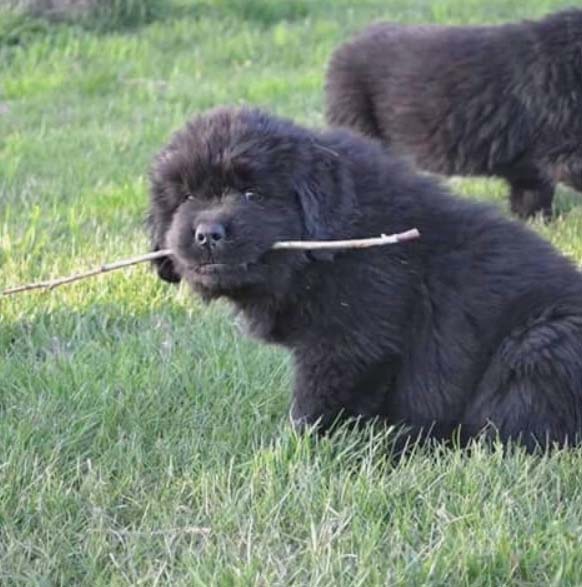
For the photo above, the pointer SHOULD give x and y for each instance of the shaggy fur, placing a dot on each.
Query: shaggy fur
(477, 322)
(500, 101)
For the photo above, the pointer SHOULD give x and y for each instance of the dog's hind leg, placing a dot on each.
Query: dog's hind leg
(532, 390)
(348, 99)
(532, 192)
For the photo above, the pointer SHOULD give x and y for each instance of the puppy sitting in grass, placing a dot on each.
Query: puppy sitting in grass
(501, 101)
(478, 322)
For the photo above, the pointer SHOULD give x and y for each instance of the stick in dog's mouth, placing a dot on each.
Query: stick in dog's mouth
(363, 243)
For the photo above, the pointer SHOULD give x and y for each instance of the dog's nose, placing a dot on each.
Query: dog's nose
(209, 234)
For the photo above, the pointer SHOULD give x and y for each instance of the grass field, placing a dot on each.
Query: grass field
(142, 441)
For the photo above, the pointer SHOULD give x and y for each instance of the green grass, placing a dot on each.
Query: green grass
(142, 440)
(98, 15)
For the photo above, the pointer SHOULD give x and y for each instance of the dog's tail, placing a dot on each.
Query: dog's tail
(349, 102)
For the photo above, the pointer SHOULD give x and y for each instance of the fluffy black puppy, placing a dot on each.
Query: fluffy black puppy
(477, 322)
(500, 101)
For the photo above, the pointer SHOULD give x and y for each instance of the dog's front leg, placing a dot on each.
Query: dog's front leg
(321, 394)
(330, 390)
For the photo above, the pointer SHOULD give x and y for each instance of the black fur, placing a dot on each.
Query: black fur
(500, 101)
(477, 322)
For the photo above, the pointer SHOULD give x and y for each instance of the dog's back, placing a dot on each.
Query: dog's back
(435, 93)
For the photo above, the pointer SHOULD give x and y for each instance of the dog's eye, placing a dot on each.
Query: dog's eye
(252, 196)
(188, 197)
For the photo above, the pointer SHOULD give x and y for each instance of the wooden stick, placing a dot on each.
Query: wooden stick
(362, 243)
(52, 283)
(281, 245)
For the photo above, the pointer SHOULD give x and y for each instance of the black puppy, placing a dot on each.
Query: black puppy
(504, 100)
(477, 322)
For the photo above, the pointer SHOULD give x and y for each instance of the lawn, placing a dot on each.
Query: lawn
(142, 440)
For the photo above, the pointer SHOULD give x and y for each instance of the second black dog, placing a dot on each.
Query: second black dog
(501, 101)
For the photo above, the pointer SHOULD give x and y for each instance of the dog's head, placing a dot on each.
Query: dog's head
(231, 184)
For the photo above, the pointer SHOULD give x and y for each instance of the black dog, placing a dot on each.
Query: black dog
(477, 322)
(500, 101)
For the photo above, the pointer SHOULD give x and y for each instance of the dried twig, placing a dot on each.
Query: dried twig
(52, 283)
(363, 243)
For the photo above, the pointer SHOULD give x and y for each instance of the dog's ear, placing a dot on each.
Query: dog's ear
(157, 227)
(327, 198)
(159, 217)
(166, 269)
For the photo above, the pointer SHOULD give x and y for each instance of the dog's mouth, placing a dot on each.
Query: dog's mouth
(224, 278)
(212, 268)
